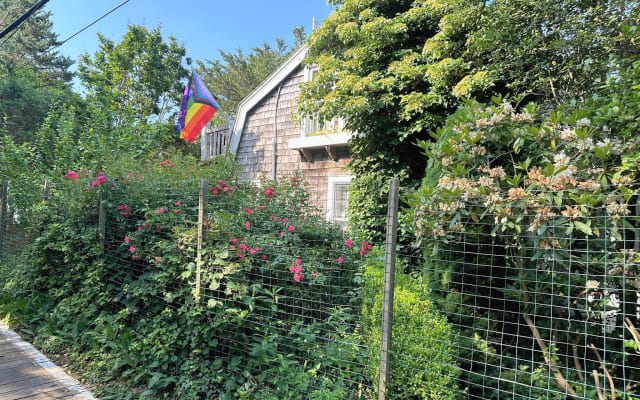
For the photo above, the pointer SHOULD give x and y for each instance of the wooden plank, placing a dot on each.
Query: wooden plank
(102, 218)
(389, 288)
(3, 212)
(202, 213)
(56, 393)
(26, 391)
(25, 373)
(24, 381)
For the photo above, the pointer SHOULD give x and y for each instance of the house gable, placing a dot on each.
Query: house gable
(267, 86)
(266, 125)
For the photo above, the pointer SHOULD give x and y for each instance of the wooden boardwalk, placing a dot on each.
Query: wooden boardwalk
(25, 373)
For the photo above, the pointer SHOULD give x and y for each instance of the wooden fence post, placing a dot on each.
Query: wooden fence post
(389, 287)
(202, 209)
(102, 220)
(45, 191)
(3, 213)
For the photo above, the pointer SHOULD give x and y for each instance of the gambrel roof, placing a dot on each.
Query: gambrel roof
(269, 84)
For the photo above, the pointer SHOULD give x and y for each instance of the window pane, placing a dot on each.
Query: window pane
(340, 197)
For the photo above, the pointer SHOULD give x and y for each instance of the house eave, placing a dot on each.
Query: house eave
(320, 141)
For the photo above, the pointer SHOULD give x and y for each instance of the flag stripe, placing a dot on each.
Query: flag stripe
(197, 108)
(195, 125)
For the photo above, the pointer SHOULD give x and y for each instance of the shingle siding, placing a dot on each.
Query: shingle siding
(255, 150)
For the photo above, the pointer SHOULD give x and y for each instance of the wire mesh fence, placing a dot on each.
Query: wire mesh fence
(19, 202)
(536, 302)
(540, 287)
(279, 284)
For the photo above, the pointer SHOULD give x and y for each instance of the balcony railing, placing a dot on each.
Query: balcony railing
(215, 140)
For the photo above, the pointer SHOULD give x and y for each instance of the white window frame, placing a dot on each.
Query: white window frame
(331, 185)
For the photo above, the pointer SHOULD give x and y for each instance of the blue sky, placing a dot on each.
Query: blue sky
(203, 26)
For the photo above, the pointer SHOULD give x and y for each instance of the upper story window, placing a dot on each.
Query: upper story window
(311, 126)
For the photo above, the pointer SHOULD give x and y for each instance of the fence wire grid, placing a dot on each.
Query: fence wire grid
(482, 309)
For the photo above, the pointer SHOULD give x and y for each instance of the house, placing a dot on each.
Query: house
(269, 141)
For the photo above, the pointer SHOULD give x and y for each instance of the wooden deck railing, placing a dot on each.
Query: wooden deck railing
(215, 141)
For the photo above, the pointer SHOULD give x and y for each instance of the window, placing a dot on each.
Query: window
(310, 125)
(337, 199)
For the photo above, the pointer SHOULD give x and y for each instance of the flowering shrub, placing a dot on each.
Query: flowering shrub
(280, 288)
(542, 204)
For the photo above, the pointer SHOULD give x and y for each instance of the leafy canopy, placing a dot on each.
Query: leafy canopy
(33, 74)
(142, 73)
(232, 77)
(395, 69)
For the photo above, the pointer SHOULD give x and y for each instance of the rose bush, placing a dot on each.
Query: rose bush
(279, 307)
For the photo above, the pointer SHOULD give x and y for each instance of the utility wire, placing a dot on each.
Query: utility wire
(16, 24)
(91, 24)
(72, 36)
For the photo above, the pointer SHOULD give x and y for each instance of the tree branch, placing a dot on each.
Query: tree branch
(606, 371)
(597, 380)
(561, 382)
(576, 360)
(633, 330)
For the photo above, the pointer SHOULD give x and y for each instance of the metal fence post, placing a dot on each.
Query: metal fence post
(202, 208)
(102, 220)
(3, 213)
(389, 287)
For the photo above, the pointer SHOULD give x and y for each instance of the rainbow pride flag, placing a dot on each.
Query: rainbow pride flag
(198, 106)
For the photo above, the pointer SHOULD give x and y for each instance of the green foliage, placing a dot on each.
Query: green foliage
(537, 198)
(25, 101)
(141, 74)
(33, 74)
(32, 46)
(423, 362)
(127, 313)
(235, 75)
(395, 70)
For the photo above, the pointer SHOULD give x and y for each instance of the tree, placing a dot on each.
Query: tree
(231, 78)
(396, 69)
(33, 74)
(33, 45)
(142, 74)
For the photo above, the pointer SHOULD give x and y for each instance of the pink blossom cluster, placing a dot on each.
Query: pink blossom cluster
(222, 187)
(366, 247)
(269, 192)
(100, 179)
(244, 249)
(290, 228)
(124, 210)
(167, 163)
(71, 175)
(297, 271)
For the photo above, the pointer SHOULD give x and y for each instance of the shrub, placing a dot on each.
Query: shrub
(280, 287)
(524, 219)
(422, 361)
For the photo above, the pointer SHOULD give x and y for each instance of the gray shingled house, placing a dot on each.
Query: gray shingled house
(266, 124)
